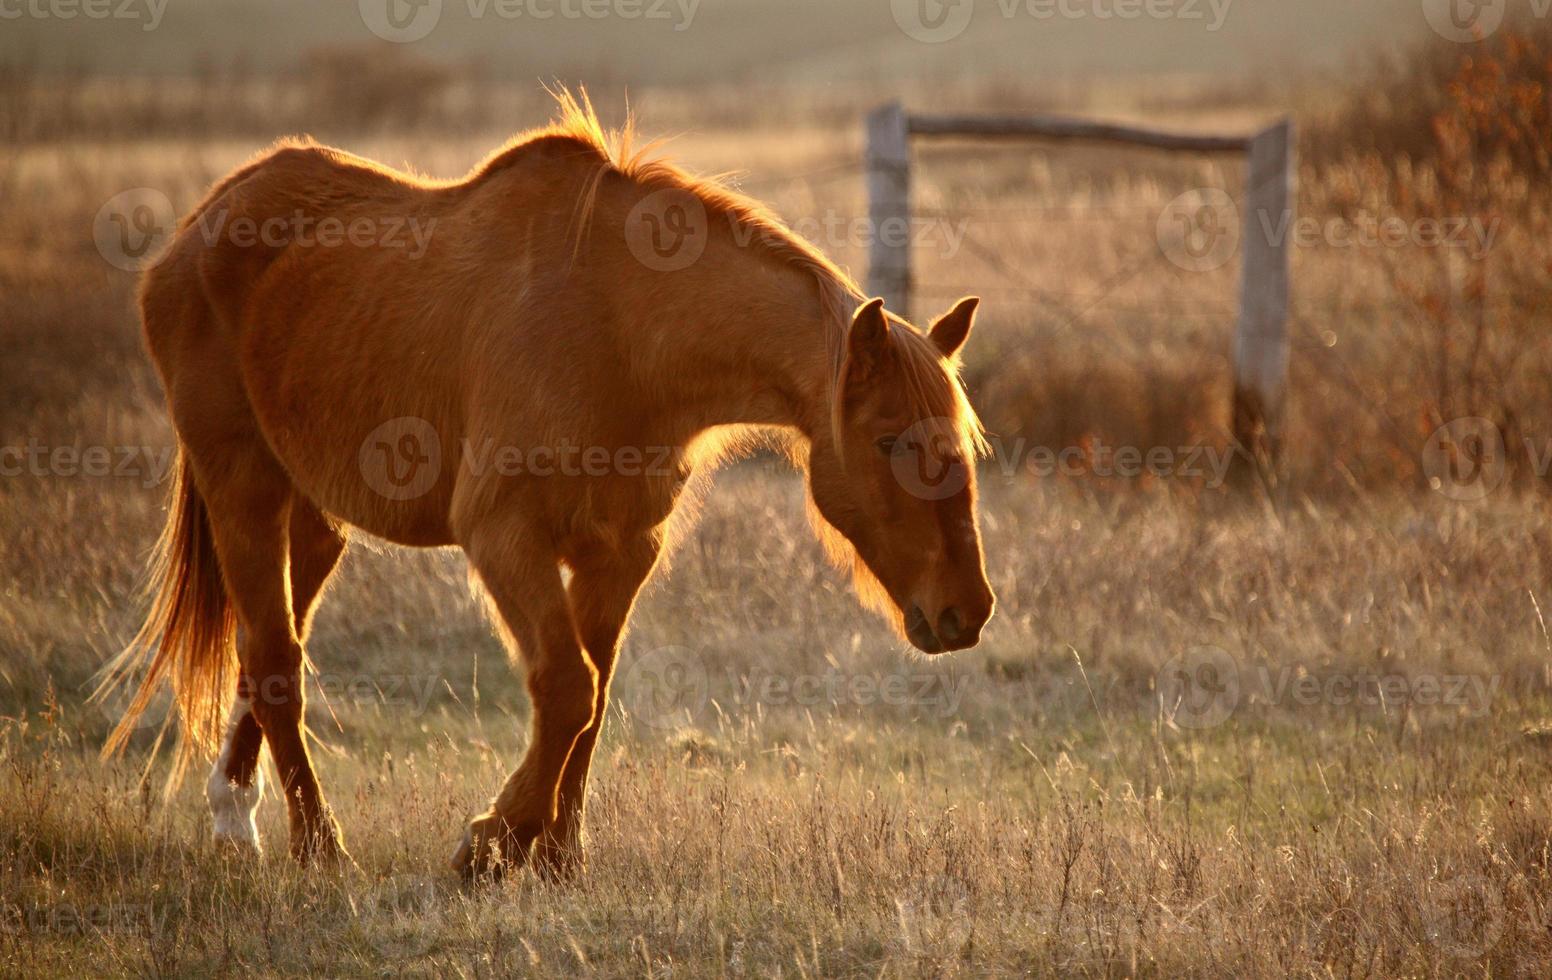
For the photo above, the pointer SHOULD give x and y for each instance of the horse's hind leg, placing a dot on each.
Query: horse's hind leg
(237, 781)
(316, 544)
(248, 497)
(523, 581)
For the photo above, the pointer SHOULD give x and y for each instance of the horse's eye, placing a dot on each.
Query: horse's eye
(886, 445)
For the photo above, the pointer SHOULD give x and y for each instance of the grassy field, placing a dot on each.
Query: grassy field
(1304, 729)
(1352, 779)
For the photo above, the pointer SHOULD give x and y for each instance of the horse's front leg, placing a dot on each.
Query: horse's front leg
(524, 584)
(603, 588)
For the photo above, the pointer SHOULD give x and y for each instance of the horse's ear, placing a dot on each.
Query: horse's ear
(868, 344)
(950, 330)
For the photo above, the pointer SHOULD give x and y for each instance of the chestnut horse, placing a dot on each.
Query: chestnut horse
(328, 370)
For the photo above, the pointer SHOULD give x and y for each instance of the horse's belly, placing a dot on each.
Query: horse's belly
(362, 428)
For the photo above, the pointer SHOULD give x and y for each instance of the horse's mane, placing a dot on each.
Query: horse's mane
(621, 152)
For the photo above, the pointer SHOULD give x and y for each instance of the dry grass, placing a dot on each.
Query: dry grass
(1038, 806)
(1153, 766)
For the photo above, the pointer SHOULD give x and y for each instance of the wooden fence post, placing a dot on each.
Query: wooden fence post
(1261, 335)
(1261, 339)
(889, 207)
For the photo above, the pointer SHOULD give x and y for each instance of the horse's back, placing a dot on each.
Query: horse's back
(425, 314)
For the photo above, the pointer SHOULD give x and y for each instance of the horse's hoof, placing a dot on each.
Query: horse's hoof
(322, 849)
(558, 862)
(491, 848)
(335, 859)
(481, 858)
(463, 857)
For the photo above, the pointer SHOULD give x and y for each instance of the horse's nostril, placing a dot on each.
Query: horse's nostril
(919, 631)
(950, 624)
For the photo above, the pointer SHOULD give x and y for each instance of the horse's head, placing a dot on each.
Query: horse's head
(896, 477)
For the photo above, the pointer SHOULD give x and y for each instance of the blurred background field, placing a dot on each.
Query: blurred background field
(1037, 805)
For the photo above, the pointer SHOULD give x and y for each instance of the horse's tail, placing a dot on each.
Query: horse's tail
(189, 635)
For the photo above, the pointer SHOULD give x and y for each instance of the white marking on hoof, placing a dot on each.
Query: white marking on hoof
(232, 805)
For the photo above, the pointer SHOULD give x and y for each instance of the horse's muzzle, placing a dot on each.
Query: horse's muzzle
(951, 631)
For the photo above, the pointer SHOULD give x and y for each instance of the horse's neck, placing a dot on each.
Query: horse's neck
(759, 353)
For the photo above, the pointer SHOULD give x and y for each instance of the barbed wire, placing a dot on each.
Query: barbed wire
(1077, 306)
(843, 168)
